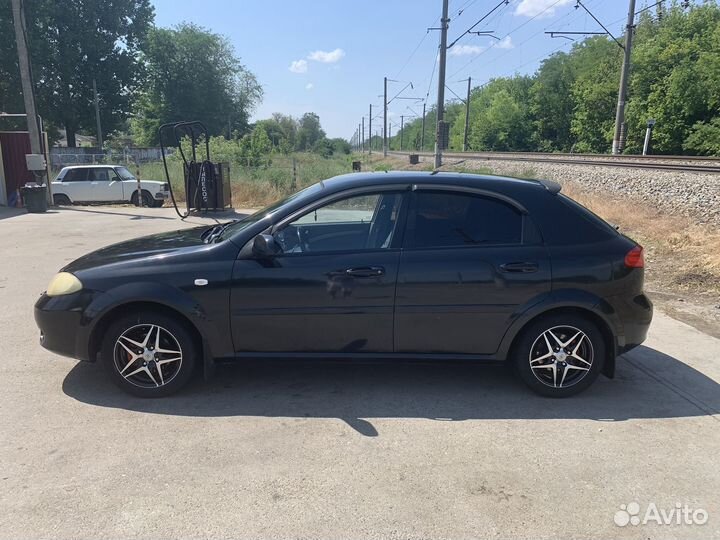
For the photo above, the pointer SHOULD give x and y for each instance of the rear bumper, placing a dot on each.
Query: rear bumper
(635, 315)
(162, 195)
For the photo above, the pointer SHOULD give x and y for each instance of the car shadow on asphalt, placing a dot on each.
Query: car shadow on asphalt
(648, 384)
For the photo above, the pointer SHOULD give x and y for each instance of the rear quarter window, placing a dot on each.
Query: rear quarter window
(566, 221)
(75, 175)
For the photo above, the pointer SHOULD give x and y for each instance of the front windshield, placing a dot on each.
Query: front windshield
(237, 226)
(124, 173)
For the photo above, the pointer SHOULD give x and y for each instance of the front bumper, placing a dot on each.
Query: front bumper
(63, 323)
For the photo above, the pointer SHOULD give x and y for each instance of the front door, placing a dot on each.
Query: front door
(105, 185)
(331, 289)
(469, 262)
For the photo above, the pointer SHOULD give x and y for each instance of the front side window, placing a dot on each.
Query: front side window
(447, 219)
(124, 173)
(355, 223)
(99, 175)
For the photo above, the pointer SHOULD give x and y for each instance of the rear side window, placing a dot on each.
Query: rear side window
(75, 175)
(446, 219)
(568, 222)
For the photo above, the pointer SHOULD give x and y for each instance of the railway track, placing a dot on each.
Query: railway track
(665, 163)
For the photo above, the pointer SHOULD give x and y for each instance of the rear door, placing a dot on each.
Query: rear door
(469, 263)
(75, 185)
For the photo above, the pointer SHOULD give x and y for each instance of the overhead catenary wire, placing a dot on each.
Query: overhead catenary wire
(469, 30)
(508, 34)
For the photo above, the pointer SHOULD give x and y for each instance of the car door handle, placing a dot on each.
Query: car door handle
(365, 271)
(519, 267)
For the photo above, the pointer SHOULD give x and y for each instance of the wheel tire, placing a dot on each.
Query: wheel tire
(531, 346)
(147, 199)
(61, 199)
(132, 327)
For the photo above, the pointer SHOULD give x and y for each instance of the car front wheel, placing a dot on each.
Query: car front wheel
(149, 354)
(559, 355)
(147, 199)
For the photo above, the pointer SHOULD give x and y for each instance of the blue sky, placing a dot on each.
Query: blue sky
(330, 57)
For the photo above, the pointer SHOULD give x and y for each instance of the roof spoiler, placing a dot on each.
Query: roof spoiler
(552, 186)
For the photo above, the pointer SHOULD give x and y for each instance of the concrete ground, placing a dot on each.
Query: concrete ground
(307, 450)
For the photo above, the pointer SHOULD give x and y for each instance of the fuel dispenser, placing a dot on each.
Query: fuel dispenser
(207, 183)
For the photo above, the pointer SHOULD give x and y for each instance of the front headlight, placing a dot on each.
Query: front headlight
(63, 283)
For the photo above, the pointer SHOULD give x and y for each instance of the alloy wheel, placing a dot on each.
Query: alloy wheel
(147, 355)
(561, 356)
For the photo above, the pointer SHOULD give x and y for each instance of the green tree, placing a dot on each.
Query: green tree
(552, 104)
(597, 63)
(676, 80)
(71, 43)
(309, 132)
(194, 74)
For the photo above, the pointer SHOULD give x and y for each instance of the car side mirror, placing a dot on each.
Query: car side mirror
(265, 245)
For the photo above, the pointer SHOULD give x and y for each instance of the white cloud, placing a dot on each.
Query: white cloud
(465, 50)
(531, 8)
(327, 57)
(309, 86)
(504, 43)
(298, 66)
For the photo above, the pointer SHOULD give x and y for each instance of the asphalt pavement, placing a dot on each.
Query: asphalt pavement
(311, 450)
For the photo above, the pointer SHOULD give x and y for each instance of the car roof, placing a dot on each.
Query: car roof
(91, 166)
(353, 180)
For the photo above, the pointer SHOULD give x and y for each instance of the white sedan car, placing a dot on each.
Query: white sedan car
(105, 183)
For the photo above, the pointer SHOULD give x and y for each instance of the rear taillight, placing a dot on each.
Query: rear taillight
(634, 258)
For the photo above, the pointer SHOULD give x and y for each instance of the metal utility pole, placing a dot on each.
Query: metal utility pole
(620, 131)
(441, 83)
(359, 143)
(385, 141)
(467, 116)
(370, 131)
(26, 77)
(97, 116)
(648, 136)
(402, 125)
(362, 137)
(422, 134)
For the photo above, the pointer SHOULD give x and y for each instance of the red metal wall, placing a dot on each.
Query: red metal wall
(14, 147)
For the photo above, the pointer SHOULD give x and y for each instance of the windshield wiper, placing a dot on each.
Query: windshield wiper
(216, 232)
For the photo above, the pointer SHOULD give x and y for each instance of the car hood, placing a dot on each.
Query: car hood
(138, 248)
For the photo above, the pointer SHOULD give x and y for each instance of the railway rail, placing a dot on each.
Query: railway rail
(699, 164)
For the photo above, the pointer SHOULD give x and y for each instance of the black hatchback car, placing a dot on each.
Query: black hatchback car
(400, 265)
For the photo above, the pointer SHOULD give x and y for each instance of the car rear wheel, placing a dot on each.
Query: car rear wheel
(559, 355)
(147, 199)
(60, 199)
(149, 354)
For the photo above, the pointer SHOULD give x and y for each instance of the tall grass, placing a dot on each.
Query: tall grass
(254, 186)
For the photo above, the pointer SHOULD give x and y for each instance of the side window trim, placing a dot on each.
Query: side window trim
(370, 190)
(473, 191)
(399, 227)
(411, 215)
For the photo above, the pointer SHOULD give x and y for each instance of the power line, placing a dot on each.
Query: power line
(466, 32)
(579, 3)
(509, 33)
